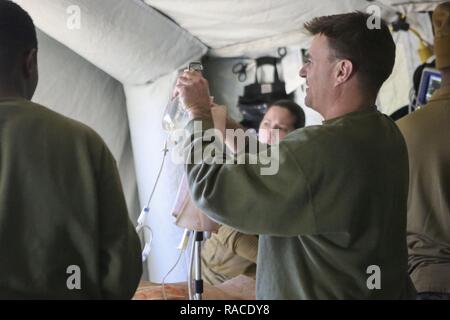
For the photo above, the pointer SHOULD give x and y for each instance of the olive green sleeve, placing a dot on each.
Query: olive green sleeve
(241, 196)
(120, 249)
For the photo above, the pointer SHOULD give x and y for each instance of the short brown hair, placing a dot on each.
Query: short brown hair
(371, 51)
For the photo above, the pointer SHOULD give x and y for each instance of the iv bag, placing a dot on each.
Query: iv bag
(175, 116)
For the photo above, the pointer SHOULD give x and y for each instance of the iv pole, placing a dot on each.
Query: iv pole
(192, 218)
(198, 284)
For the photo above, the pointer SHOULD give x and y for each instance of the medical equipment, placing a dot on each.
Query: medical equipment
(141, 221)
(429, 82)
(175, 116)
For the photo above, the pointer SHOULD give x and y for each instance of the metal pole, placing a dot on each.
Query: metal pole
(198, 237)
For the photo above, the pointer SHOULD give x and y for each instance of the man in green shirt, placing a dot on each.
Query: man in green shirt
(64, 226)
(332, 220)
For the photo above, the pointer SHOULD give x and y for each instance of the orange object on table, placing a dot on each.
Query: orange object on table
(238, 288)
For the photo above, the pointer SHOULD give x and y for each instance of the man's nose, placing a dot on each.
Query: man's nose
(302, 72)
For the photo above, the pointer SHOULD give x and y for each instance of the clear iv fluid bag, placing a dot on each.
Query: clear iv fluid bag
(175, 116)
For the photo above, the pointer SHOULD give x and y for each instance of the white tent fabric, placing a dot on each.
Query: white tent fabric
(145, 109)
(411, 5)
(77, 89)
(235, 28)
(127, 39)
(231, 27)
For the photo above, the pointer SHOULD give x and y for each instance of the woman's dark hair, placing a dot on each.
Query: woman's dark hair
(294, 109)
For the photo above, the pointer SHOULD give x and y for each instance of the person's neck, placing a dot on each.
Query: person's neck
(6, 92)
(345, 103)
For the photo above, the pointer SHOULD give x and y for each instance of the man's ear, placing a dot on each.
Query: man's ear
(30, 63)
(344, 70)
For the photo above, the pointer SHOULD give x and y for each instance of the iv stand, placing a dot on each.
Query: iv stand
(198, 287)
(195, 259)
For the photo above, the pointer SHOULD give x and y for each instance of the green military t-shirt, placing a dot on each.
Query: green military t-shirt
(64, 226)
(332, 220)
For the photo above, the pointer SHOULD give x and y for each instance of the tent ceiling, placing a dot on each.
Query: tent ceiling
(136, 44)
(231, 26)
(126, 38)
(220, 24)
(410, 2)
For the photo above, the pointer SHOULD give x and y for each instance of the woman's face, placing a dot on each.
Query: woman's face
(276, 118)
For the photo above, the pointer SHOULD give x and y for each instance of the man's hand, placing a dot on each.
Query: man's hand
(193, 91)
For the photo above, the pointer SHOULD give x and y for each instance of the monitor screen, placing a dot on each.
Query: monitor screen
(429, 83)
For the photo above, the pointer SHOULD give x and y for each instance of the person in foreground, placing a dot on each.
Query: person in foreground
(332, 220)
(64, 226)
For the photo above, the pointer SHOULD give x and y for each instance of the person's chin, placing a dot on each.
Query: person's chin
(308, 102)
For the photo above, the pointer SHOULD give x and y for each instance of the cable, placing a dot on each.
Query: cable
(170, 271)
(165, 150)
(142, 217)
(425, 50)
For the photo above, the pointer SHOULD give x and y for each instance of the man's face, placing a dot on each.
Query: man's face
(276, 118)
(319, 75)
